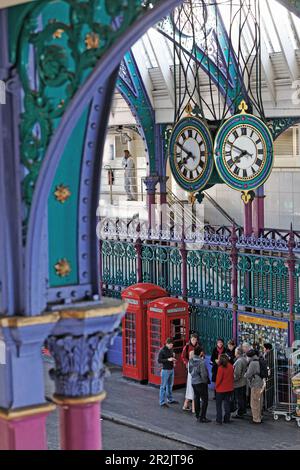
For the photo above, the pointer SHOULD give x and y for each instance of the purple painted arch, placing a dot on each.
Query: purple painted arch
(34, 282)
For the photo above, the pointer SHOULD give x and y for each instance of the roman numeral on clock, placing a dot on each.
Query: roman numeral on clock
(244, 130)
(236, 171)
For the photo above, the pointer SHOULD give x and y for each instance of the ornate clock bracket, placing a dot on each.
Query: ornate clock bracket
(248, 196)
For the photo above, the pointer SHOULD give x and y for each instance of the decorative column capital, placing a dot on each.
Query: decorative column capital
(79, 370)
(151, 182)
(78, 344)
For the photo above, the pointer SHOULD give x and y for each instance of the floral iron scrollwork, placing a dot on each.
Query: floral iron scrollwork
(55, 57)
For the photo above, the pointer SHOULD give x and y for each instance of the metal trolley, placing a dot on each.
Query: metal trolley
(286, 377)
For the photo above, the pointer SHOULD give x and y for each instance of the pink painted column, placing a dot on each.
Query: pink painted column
(248, 229)
(183, 252)
(138, 247)
(163, 189)
(80, 424)
(150, 183)
(24, 429)
(259, 212)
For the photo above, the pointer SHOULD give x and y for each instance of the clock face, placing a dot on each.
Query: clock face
(190, 152)
(244, 152)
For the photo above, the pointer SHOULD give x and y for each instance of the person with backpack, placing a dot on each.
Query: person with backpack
(185, 357)
(200, 381)
(256, 374)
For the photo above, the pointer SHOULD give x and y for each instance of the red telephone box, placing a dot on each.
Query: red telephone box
(134, 329)
(167, 318)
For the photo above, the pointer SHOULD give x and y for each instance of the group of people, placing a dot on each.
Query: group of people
(239, 375)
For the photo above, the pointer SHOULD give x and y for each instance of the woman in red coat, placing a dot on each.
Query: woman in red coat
(224, 388)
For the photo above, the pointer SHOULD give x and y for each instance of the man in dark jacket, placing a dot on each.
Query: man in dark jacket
(167, 359)
(200, 381)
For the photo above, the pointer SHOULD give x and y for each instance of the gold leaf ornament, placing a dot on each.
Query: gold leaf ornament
(188, 109)
(243, 107)
(248, 196)
(58, 34)
(62, 193)
(62, 268)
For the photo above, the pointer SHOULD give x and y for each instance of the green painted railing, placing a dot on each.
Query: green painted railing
(297, 281)
(263, 282)
(163, 266)
(119, 270)
(211, 323)
(209, 275)
(297, 330)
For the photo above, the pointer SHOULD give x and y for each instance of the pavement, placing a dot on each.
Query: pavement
(119, 437)
(136, 406)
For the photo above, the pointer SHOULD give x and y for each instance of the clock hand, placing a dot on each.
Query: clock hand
(243, 152)
(189, 154)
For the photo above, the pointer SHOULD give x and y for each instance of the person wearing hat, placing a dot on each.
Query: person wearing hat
(256, 384)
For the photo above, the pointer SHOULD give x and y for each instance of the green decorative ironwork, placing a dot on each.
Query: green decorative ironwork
(278, 125)
(132, 88)
(263, 282)
(209, 275)
(65, 39)
(162, 266)
(211, 323)
(297, 281)
(118, 261)
(297, 330)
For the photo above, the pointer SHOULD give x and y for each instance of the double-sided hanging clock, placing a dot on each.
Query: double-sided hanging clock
(191, 154)
(244, 152)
